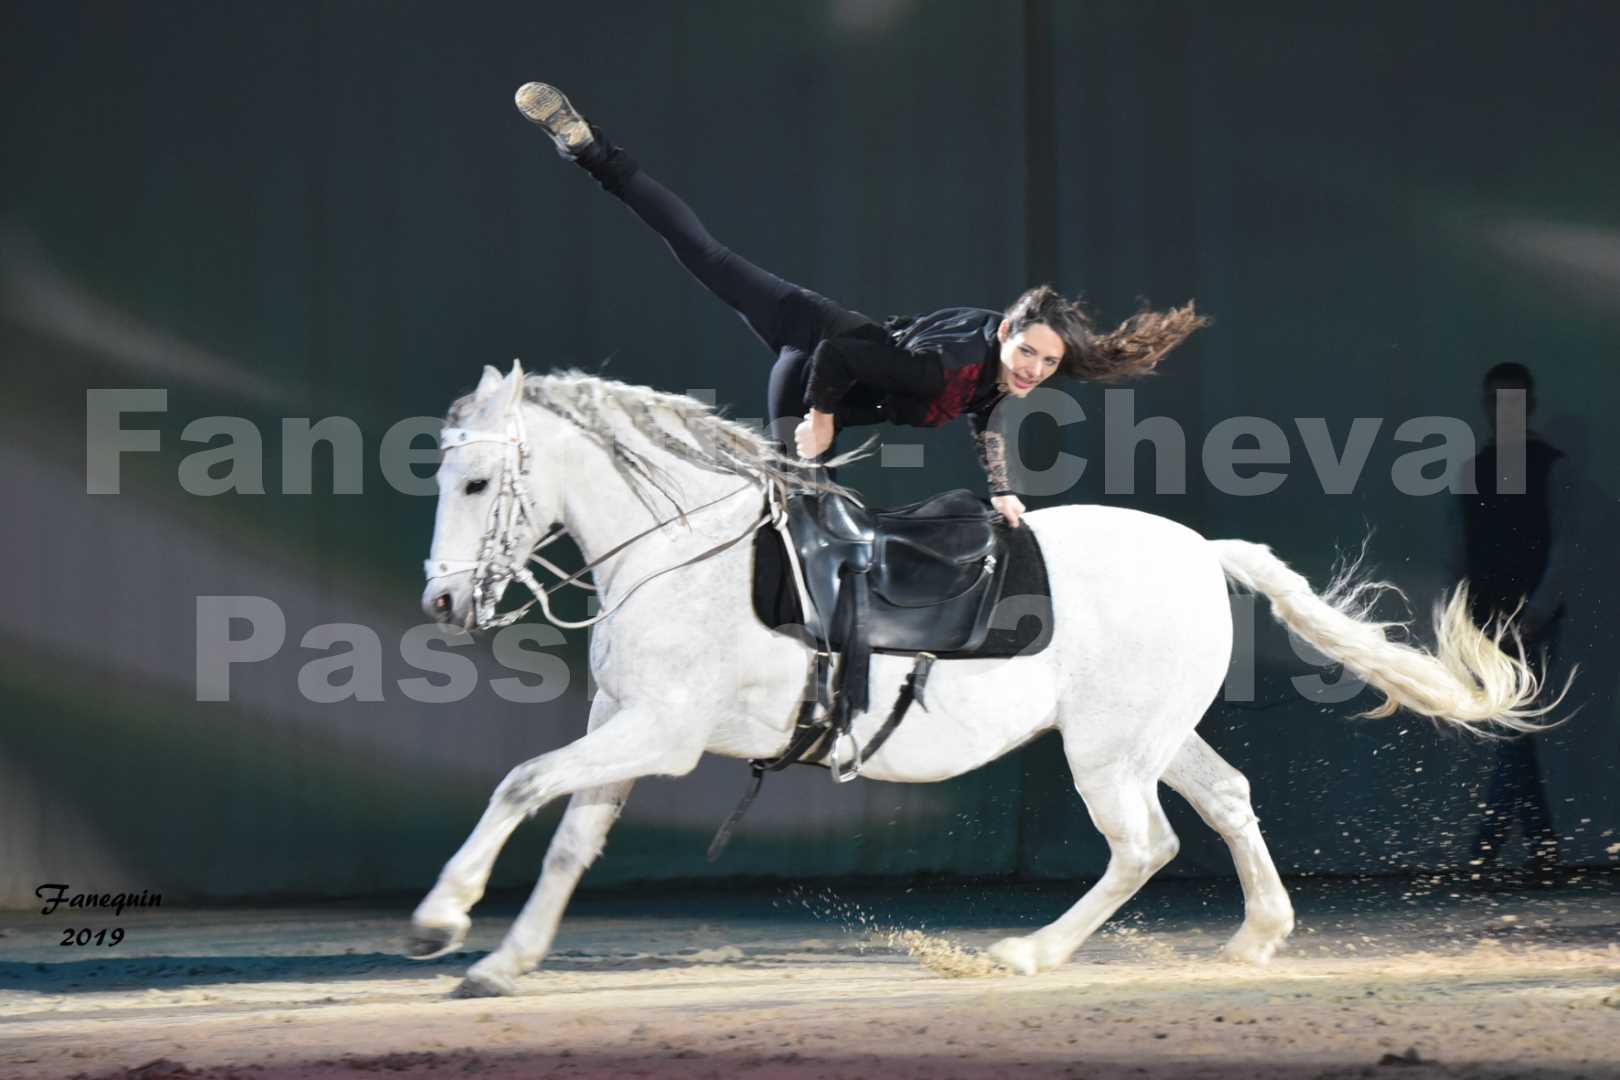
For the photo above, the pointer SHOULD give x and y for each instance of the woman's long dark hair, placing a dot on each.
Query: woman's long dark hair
(1133, 349)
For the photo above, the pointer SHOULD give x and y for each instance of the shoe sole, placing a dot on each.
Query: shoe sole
(548, 107)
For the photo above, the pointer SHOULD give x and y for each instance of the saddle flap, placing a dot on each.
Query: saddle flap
(925, 559)
(912, 574)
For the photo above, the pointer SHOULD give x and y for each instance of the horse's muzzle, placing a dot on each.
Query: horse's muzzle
(439, 603)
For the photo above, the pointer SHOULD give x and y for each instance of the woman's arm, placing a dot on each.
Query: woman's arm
(992, 447)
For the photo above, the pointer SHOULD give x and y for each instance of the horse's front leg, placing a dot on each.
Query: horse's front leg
(632, 743)
(578, 841)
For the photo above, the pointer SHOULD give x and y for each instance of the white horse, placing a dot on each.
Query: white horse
(1140, 647)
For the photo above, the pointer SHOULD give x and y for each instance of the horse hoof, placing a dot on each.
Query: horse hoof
(432, 942)
(1015, 953)
(1248, 948)
(479, 984)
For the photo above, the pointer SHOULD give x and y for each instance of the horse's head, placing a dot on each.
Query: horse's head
(490, 513)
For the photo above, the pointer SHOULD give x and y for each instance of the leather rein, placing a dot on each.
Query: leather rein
(498, 562)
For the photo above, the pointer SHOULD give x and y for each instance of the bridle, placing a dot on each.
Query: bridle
(498, 561)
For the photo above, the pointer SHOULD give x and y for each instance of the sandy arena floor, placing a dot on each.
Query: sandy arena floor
(1383, 979)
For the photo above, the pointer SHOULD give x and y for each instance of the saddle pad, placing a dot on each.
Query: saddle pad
(1021, 622)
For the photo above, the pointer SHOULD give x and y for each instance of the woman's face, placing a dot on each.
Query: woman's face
(1028, 357)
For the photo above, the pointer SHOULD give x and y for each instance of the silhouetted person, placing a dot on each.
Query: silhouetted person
(1514, 538)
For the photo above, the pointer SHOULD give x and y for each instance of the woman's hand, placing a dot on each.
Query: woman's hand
(1009, 507)
(814, 434)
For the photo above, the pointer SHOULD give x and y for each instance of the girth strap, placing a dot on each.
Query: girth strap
(722, 836)
(806, 740)
(823, 677)
(850, 618)
(910, 690)
(809, 736)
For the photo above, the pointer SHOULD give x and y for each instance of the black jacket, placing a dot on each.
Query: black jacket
(918, 370)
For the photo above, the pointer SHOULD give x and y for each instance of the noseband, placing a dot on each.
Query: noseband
(498, 561)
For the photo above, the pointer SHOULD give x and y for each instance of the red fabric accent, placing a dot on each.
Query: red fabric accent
(960, 384)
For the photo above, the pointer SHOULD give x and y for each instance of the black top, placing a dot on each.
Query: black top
(1509, 536)
(918, 370)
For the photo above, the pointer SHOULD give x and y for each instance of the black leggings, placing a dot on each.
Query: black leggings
(790, 320)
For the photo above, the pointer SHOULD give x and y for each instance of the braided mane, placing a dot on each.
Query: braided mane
(713, 442)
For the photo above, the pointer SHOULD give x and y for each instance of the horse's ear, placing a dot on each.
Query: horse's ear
(514, 380)
(488, 382)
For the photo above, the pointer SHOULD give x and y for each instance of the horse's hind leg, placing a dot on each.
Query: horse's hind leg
(576, 844)
(1125, 808)
(1220, 794)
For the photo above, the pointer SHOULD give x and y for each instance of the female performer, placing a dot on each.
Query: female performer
(836, 367)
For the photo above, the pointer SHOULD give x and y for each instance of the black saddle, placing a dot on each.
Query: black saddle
(943, 578)
(915, 578)
(921, 578)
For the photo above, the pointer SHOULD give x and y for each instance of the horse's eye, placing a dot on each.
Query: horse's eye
(475, 486)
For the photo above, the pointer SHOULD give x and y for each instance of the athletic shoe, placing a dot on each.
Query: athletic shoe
(548, 107)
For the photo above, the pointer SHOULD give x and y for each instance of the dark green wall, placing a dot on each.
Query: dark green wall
(333, 209)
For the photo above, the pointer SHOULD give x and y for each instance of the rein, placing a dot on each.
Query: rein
(542, 594)
(498, 564)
